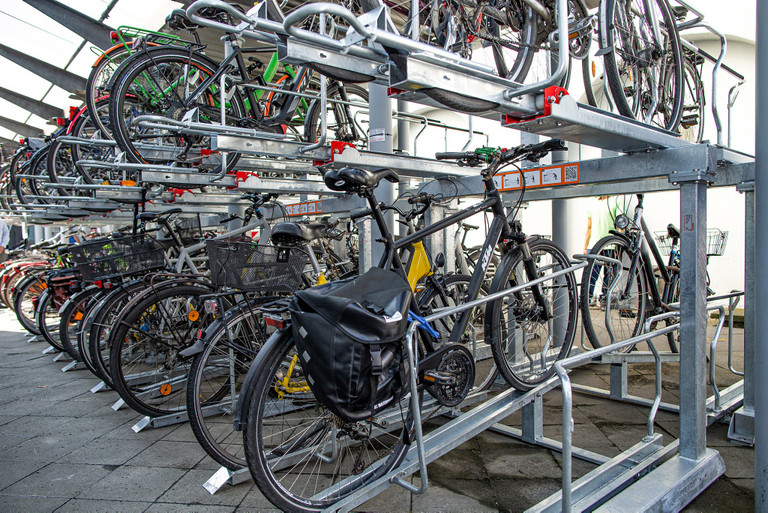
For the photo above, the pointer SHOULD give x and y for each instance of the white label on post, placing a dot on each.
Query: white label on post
(378, 135)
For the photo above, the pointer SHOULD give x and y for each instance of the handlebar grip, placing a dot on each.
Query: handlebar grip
(359, 212)
(452, 155)
(421, 198)
(551, 145)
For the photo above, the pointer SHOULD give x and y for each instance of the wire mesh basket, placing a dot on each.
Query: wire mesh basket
(114, 257)
(251, 267)
(189, 229)
(716, 241)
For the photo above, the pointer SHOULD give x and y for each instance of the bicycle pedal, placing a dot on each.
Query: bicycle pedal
(439, 378)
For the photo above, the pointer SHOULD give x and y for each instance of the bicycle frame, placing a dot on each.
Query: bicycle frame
(499, 226)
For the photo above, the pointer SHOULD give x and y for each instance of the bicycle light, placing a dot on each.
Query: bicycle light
(621, 222)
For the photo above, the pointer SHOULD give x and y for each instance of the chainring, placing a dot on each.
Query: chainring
(458, 362)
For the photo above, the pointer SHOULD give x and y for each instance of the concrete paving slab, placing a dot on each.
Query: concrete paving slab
(182, 455)
(32, 503)
(394, 498)
(189, 490)
(722, 495)
(254, 500)
(59, 480)
(132, 483)
(182, 433)
(739, 461)
(104, 451)
(439, 499)
(161, 507)
(88, 505)
(12, 472)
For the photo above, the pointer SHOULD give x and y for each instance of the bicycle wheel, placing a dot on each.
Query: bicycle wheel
(144, 361)
(526, 339)
(215, 380)
(502, 37)
(72, 314)
(47, 316)
(448, 292)
(96, 86)
(94, 338)
(344, 121)
(160, 82)
(691, 126)
(301, 456)
(25, 299)
(628, 299)
(644, 72)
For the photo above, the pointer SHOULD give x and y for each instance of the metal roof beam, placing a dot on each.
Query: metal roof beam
(20, 128)
(84, 26)
(44, 110)
(60, 77)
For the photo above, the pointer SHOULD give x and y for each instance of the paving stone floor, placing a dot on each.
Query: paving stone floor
(64, 449)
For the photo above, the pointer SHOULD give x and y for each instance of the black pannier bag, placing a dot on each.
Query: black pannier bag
(349, 336)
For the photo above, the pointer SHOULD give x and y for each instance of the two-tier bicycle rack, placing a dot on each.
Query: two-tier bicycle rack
(654, 160)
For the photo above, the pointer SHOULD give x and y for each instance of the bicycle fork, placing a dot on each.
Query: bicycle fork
(531, 272)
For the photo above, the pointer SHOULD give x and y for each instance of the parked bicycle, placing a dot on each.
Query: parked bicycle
(642, 290)
(295, 445)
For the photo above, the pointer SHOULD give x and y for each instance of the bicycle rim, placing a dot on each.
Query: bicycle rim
(628, 299)
(525, 341)
(300, 455)
(215, 381)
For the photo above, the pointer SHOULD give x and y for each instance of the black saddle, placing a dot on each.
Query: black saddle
(672, 232)
(288, 234)
(149, 216)
(351, 179)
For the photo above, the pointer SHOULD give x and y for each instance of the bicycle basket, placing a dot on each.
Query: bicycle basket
(663, 242)
(252, 267)
(716, 241)
(113, 257)
(189, 230)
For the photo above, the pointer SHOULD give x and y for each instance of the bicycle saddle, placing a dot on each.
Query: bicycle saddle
(294, 233)
(672, 231)
(351, 179)
(148, 216)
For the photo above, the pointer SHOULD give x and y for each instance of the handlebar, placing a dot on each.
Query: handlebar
(532, 152)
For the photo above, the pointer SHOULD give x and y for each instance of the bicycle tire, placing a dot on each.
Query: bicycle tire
(96, 85)
(27, 293)
(691, 126)
(270, 460)
(144, 362)
(72, 314)
(450, 291)
(35, 166)
(94, 337)
(627, 76)
(336, 132)
(47, 317)
(5, 292)
(215, 382)
(515, 322)
(160, 69)
(628, 305)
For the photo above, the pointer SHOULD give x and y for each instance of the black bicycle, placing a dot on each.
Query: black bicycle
(302, 453)
(643, 290)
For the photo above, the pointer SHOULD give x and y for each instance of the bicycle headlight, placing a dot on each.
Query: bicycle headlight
(621, 222)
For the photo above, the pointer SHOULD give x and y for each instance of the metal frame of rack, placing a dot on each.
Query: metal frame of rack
(656, 160)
